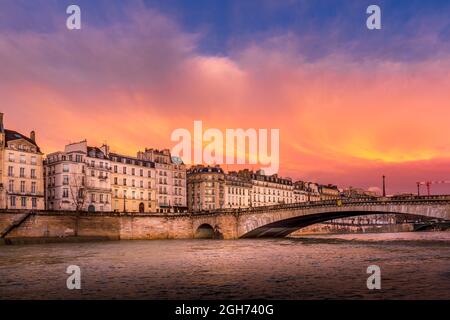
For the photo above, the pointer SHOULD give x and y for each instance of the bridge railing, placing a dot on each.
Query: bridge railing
(334, 203)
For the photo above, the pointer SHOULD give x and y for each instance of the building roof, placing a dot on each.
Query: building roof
(11, 135)
(202, 169)
(95, 152)
(115, 157)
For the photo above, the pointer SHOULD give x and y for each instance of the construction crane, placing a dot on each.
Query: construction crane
(428, 185)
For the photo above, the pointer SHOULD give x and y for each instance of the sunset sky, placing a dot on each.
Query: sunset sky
(351, 104)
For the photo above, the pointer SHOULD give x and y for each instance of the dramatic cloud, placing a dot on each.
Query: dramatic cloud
(134, 81)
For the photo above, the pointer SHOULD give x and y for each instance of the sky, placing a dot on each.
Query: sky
(351, 103)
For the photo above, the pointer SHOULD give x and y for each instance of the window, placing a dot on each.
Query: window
(33, 160)
(11, 171)
(23, 201)
(101, 198)
(92, 173)
(141, 172)
(78, 158)
(116, 193)
(22, 186)
(65, 180)
(133, 194)
(115, 169)
(133, 183)
(11, 186)
(34, 202)
(133, 171)
(22, 158)
(124, 181)
(11, 157)
(12, 201)
(22, 172)
(142, 184)
(124, 170)
(65, 167)
(101, 164)
(65, 193)
(115, 180)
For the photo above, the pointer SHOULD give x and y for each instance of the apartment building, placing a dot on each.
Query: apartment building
(268, 190)
(78, 178)
(237, 191)
(329, 192)
(211, 188)
(21, 171)
(170, 180)
(133, 184)
(206, 188)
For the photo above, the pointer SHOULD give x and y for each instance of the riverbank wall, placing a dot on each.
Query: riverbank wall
(19, 227)
(112, 226)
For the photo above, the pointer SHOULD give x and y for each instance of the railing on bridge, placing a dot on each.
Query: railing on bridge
(334, 203)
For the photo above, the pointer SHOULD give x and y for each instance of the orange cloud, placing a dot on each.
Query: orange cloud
(340, 121)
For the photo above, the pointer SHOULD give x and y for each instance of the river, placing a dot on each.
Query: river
(413, 266)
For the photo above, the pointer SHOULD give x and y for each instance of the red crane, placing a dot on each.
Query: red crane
(428, 184)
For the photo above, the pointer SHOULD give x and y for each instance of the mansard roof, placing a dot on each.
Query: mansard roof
(11, 135)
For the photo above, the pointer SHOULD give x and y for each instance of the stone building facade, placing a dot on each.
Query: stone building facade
(268, 190)
(210, 188)
(21, 171)
(133, 184)
(237, 191)
(78, 178)
(205, 188)
(170, 180)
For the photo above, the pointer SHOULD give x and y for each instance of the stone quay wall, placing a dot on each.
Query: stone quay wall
(112, 226)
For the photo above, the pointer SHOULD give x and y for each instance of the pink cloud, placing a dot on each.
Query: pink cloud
(341, 121)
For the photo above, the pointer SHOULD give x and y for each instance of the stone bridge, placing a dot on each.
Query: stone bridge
(270, 221)
(281, 220)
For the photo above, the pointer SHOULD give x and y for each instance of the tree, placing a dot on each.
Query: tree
(77, 191)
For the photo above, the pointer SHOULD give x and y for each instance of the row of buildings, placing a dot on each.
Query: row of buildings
(87, 178)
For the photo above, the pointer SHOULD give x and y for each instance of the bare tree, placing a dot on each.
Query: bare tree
(77, 191)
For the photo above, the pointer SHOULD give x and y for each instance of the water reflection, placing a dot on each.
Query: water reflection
(413, 266)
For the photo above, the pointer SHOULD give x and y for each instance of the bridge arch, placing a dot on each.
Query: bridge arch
(280, 221)
(283, 228)
(204, 231)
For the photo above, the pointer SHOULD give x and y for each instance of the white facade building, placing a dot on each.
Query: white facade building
(78, 179)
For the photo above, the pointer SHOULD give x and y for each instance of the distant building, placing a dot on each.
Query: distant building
(211, 188)
(329, 192)
(352, 192)
(268, 190)
(300, 192)
(21, 171)
(170, 180)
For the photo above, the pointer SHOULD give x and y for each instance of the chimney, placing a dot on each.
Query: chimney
(1, 122)
(33, 136)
